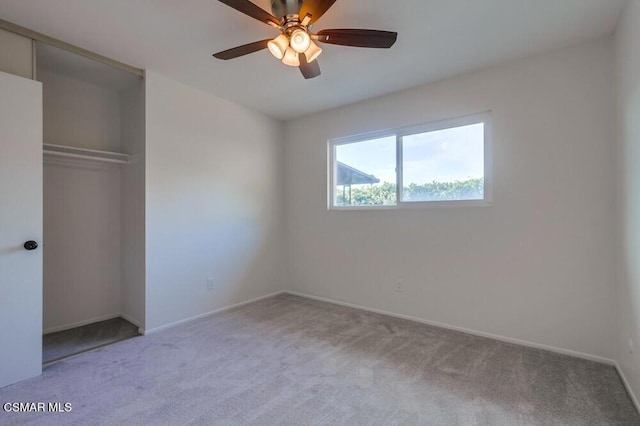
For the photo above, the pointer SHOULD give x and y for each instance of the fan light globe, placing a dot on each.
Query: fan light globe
(312, 52)
(278, 46)
(300, 40)
(291, 58)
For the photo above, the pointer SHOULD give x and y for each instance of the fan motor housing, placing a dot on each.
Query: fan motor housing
(282, 8)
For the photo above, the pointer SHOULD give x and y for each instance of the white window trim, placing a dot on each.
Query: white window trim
(399, 133)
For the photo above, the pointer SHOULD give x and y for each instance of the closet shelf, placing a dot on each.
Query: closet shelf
(86, 154)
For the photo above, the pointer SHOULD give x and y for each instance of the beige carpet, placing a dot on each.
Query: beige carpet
(292, 361)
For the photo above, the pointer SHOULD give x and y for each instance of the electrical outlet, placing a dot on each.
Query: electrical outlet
(209, 283)
(399, 286)
(632, 347)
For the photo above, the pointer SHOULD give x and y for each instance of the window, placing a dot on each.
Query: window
(445, 163)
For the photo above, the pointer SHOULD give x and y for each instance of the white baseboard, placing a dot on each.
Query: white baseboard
(80, 323)
(628, 387)
(461, 329)
(206, 314)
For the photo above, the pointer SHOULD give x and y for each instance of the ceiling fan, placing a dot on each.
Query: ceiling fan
(295, 45)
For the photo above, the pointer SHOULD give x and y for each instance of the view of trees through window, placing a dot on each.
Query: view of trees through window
(385, 194)
(439, 165)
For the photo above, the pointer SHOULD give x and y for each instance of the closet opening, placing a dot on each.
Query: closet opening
(93, 154)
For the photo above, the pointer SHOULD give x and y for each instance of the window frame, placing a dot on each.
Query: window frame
(484, 118)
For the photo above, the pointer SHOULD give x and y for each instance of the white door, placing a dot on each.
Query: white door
(20, 221)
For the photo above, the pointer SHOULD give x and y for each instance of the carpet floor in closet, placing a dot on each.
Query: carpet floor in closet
(287, 360)
(63, 344)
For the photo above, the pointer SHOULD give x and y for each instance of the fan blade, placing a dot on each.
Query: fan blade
(315, 8)
(250, 9)
(242, 50)
(309, 70)
(359, 38)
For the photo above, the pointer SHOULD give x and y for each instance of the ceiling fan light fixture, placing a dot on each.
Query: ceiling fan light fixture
(291, 58)
(278, 46)
(293, 19)
(312, 52)
(300, 40)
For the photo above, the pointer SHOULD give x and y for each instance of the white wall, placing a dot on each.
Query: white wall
(80, 114)
(628, 294)
(213, 202)
(82, 243)
(538, 265)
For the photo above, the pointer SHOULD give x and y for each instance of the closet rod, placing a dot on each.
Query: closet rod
(63, 148)
(34, 35)
(85, 157)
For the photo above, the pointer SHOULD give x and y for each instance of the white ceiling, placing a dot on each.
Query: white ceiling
(437, 38)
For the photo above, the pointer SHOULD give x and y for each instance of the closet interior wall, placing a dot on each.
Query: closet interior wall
(93, 210)
(133, 277)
